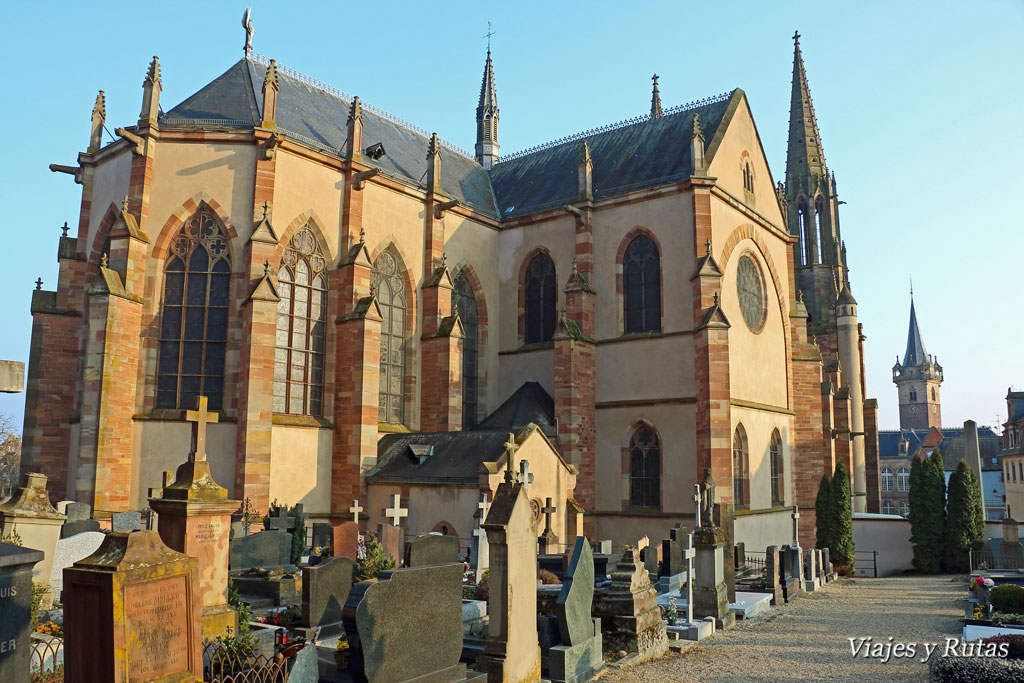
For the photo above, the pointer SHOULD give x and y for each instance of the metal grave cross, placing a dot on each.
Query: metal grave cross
(396, 512)
(548, 510)
(524, 477)
(355, 510)
(688, 554)
(696, 503)
(199, 419)
(796, 526)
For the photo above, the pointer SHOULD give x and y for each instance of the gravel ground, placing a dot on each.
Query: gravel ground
(808, 638)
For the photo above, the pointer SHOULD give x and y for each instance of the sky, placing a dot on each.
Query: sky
(919, 107)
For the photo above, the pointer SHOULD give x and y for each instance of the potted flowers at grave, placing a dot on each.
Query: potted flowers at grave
(672, 614)
(341, 654)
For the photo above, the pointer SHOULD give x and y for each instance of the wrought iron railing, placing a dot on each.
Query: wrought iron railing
(988, 559)
(223, 664)
(754, 565)
(46, 662)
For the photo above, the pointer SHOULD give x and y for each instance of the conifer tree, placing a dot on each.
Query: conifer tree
(961, 509)
(977, 509)
(824, 515)
(938, 478)
(842, 550)
(927, 512)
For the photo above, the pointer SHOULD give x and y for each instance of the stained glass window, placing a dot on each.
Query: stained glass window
(465, 301)
(644, 469)
(391, 297)
(641, 271)
(194, 319)
(750, 288)
(540, 299)
(740, 469)
(301, 337)
(778, 474)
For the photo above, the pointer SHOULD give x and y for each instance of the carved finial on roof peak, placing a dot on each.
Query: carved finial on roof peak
(655, 99)
(707, 247)
(716, 298)
(575, 266)
(124, 204)
(698, 130)
(355, 112)
(100, 107)
(266, 268)
(271, 79)
(247, 25)
(39, 284)
(362, 235)
(434, 150)
(64, 229)
(153, 75)
(584, 158)
(266, 209)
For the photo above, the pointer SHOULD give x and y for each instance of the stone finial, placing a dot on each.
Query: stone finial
(716, 298)
(153, 75)
(655, 99)
(99, 116)
(39, 284)
(707, 247)
(355, 112)
(266, 268)
(698, 130)
(270, 87)
(362, 235)
(266, 209)
(585, 180)
(434, 165)
(271, 79)
(124, 204)
(584, 157)
(434, 149)
(354, 141)
(697, 147)
(64, 229)
(151, 88)
(575, 267)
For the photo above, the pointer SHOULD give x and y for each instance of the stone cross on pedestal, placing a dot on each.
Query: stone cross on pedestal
(478, 555)
(688, 554)
(524, 477)
(199, 419)
(796, 525)
(548, 510)
(396, 512)
(696, 504)
(355, 510)
(510, 453)
(484, 505)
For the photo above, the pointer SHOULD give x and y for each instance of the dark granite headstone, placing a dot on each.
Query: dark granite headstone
(69, 529)
(600, 568)
(15, 611)
(325, 588)
(264, 549)
(406, 626)
(573, 607)
(126, 521)
(741, 555)
(671, 557)
(431, 549)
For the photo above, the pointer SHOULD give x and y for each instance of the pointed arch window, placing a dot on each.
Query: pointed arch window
(301, 337)
(540, 299)
(778, 474)
(387, 280)
(740, 468)
(802, 220)
(819, 213)
(887, 479)
(641, 271)
(194, 316)
(465, 302)
(645, 468)
(748, 177)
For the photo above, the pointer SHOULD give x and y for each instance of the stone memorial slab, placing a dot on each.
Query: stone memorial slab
(264, 549)
(325, 588)
(69, 529)
(69, 551)
(132, 613)
(16, 565)
(431, 549)
(126, 521)
(306, 669)
(725, 519)
(345, 540)
(407, 626)
(77, 512)
(388, 535)
(772, 574)
(573, 608)
(710, 595)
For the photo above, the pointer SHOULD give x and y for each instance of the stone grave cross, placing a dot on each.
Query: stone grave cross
(396, 512)
(355, 510)
(688, 554)
(510, 451)
(524, 477)
(796, 526)
(548, 510)
(199, 419)
(696, 504)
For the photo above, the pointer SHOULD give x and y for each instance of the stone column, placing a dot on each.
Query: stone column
(710, 598)
(29, 515)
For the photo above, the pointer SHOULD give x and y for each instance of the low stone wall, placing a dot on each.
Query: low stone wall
(887, 534)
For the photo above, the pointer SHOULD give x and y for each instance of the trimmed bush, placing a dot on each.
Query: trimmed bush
(824, 515)
(842, 551)
(1008, 598)
(482, 591)
(1015, 641)
(970, 669)
(376, 561)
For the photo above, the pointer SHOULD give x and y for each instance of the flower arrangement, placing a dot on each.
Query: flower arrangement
(982, 582)
(50, 629)
(980, 610)
(672, 614)
(341, 646)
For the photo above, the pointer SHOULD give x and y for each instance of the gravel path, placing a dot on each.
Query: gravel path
(807, 639)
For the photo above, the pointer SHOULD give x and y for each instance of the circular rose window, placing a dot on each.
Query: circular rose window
(750, 288)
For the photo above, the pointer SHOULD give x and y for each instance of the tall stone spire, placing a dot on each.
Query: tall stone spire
(915, 353)
(805, 159)
(487, 118)
(655, 99)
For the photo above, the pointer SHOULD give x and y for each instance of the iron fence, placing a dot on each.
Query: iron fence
(222, 664)
(754, 565)
(989, 559)
(47, 660)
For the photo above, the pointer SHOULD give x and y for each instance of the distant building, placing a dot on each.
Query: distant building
(917, 380)
(1011, 455)
(897, 448)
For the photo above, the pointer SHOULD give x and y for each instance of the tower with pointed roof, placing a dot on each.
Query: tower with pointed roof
(487, 118)
(917, 378)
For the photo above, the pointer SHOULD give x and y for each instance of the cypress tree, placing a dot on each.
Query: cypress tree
(960, 507)
(824, 515)
(917, 499)
(927, 512)
(938, 478)
(842, 551)
(977, 510)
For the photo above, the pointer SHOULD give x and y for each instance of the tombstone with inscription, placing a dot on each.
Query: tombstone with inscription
(811, 571)
(195, 519)
(431, 549)
(15, 611)
(132, 612)
(672, 572)
(325, 588)
(323, 535)
(725, 519)
(37, 524)
(512, 653)
(548, 541)
(267, 549)
(478, 554)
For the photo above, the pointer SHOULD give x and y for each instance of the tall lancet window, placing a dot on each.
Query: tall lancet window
(391, 297)
(819, 216)
(465, 301)
(740, 469)
(540, 299)
(194, 319)
(777, 469)
(645, 468)
(301, 327)
(641, 271)
(802, 219)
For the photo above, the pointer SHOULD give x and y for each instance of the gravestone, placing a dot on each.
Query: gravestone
(629, 613)
(345, 540)
(132, 612)
(826, 562)
(407, 625)
(772, 578)
(323, 535)
(710, 595)
(325, 588)
(725, 519)
(278, 519)
(16, 565)
(672, 571)
(388, 535)
(81, 526)
(604, 547)
(305, 669)
(478, 553)
(578, 656)
(126, 521)
(512, 653)
(740, 558)
(652, 559)
(790, 584)
(69, 551)
(820, 567)
(810, 570)
(1011, 553)
(265, 549)
(431, 549)
(38, 524)
(77, 512)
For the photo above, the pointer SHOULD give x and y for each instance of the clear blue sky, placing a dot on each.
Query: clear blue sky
(919, 105)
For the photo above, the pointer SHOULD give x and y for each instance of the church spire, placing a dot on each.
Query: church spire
(487, 118)
(655, 99)
(915, 354)
(805, 159)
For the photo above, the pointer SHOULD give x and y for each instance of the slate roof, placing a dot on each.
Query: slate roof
(318, 117)
(915, 354)
(951, 446)
(529, 404)
(642, 153)
(457, 457)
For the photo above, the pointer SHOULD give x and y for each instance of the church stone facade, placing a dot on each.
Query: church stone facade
(327, 274)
